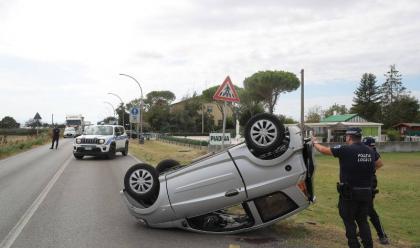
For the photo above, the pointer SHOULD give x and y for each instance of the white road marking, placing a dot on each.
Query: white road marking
(17, 229)
(137, 160)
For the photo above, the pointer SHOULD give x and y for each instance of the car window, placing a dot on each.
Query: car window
(99, 130)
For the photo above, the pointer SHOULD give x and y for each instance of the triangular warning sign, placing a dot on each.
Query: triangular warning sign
(226, 92)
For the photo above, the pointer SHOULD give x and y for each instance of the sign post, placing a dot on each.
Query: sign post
(135, 118)
(227, 93)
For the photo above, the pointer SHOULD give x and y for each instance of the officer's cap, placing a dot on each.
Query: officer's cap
(369, 141)
(354, 131)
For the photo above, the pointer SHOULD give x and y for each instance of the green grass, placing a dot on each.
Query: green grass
(152, 152)
(17, 146)
(397, 203)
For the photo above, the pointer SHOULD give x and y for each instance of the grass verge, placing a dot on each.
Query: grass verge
(320, 225)
(17, 145)
(152, 152)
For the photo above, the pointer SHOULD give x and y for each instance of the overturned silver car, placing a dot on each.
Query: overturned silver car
(245, 187)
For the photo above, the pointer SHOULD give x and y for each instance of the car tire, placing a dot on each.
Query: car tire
(111, 152)
(142, 183)
(125, 151)
(165, 165)
(263, 133)
(78, 157)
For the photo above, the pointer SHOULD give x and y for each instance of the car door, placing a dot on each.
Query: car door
(206, 186)
(120, 137)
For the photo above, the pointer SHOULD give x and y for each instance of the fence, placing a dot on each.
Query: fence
(391, 146)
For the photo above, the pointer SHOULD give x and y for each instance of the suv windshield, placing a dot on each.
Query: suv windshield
(69, 129)
(99, 130)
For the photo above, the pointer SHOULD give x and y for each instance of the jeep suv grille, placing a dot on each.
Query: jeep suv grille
(90, 141)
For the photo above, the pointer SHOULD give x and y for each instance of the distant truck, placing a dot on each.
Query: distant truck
(77, 122)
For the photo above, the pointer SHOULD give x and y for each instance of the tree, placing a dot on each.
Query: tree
(314, 114)
(339, 109)
(157, 104)
(287, 120)
(366, 103)
(188, 119)
(266, 86)
(9, 122)
(207, 97)
(159, 98)
(404, 109)
(392, 88)
(120, 112)
(33, 123)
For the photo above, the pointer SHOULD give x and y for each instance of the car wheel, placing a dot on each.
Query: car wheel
(125, 152)
(165, 165)
(263, 133)
(78, 156)
(111, 152)
(141, 182)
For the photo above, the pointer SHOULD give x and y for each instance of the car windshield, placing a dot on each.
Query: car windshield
(69, 129)
(99, 130)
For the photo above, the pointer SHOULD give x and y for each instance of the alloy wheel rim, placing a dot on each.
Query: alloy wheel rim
(263, 133)
(141, 181)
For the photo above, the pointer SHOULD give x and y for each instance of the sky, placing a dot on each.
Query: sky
(64, 57)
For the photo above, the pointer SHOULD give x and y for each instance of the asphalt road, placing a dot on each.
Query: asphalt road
(50, 199)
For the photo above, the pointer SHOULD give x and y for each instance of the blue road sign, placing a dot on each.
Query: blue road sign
(135, 111)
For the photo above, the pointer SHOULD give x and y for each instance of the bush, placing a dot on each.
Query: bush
(393, 135)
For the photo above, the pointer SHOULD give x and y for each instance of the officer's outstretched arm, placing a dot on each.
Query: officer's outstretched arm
(378, 164)
(323, 149)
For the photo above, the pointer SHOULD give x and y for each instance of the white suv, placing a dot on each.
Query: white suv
(101, 140)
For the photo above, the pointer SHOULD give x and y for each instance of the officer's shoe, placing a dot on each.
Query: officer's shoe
(384, 240)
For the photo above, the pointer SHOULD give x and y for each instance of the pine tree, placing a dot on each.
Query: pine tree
(366, 102)
(392, 88)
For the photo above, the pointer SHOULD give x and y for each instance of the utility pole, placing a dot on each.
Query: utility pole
(302, 103)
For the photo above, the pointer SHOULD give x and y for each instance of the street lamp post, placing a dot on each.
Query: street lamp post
(141, 102)
(122, 106)
(112, 106)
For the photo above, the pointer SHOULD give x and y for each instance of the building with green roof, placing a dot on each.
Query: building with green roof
(333, 127)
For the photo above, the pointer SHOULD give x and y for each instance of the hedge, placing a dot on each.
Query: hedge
(21, 131)
(185, 141)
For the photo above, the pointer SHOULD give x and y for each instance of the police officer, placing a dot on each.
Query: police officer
(373, 215)
(55, 137)
(357, 166)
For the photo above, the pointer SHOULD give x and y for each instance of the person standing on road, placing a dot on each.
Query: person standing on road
(55, 137)
(357, 165)
(373, 215)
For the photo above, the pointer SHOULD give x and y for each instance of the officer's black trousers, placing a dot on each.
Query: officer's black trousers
(56, 143)
(353, 212)
(374, 219)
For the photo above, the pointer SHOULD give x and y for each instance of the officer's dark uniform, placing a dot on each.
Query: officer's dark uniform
(357, 166)
(55, 137)
(373, 215)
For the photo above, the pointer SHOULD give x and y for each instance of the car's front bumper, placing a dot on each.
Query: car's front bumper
(91, 150)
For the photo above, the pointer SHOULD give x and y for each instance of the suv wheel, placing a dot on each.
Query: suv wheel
(141, 182)
(263, 133)
(78, 157)
(125, 151)
(111, 152)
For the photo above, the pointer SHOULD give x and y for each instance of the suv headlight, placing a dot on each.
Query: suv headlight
(78, 141)
(101, 141)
